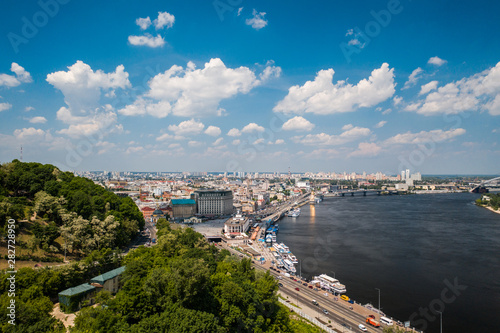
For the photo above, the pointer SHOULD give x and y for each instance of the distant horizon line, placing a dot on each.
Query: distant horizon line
(295, 173)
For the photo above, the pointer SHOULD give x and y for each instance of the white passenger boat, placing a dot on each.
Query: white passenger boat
(330, 283)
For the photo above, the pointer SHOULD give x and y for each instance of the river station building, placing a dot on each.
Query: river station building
(236, 226)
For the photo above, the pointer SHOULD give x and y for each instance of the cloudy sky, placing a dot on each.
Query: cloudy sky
(252, 85)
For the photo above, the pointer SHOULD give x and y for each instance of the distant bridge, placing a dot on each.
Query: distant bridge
(494, 182)
(344, 193)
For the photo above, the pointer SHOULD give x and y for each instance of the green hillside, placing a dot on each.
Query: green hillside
(56, 211)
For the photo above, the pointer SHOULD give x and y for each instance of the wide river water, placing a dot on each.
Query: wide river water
(426, 253)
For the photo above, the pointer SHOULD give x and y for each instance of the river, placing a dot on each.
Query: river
(426, 253)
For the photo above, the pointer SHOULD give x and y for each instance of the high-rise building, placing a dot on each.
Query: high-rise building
(403, 175)
(407, 176)
(214, 202)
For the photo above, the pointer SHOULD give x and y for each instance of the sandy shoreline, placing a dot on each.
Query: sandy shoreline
(491, 208)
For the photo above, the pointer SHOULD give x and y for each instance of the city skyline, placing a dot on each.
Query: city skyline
(235, 86)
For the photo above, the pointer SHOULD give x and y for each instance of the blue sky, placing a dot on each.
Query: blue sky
(234, 85)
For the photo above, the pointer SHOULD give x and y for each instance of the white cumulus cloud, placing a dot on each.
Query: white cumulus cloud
(147, 40)
(21, 76)
(193, 92)
(425, 136)
(366, 149)
(5, 106)
(413, 78)
(436, 61)
(164, 20)
(218, 142)
(143, 23)
(213, 131)
(38, 120)
(252, 127)
(257, 21)
(82, 88)
(299, 124)
(479, 91)
(188, 127)
(424, 89)
(380, 124)
(143, 107)
(321, 96)
(349, 135)
(234, 132)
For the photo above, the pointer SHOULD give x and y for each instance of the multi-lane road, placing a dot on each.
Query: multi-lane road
(338, 310)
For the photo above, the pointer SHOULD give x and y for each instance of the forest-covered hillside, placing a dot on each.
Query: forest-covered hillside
(55, 211)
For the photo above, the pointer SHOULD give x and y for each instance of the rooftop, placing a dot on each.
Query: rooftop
(183, 202)
(108, 275)
(77, 290)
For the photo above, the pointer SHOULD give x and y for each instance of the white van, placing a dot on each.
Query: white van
(386, 321)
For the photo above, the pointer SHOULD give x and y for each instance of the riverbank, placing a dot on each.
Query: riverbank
(491, 208)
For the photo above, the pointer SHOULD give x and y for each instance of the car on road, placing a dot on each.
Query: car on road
(315, 303)
(344, 297)
(304, 284)
(280, 284)
(310, 287)
(371, 316)
(297, 289)
(325, 311)
(362, 327)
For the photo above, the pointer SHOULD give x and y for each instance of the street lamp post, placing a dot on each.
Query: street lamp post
(378, 299)
(440, 321)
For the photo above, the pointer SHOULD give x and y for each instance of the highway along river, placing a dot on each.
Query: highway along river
(426, 253)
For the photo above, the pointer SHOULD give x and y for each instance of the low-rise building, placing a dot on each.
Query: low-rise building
(73, 299)
(109, 281)
(236, 226)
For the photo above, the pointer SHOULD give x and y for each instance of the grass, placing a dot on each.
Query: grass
(302, 325)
